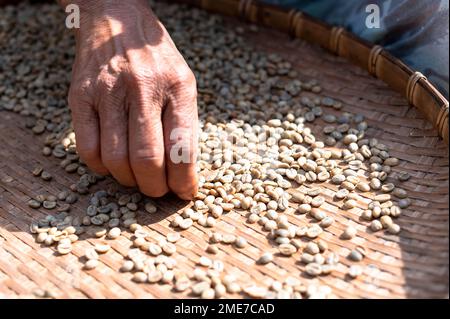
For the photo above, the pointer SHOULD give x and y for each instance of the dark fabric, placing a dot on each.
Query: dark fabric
(416, 31)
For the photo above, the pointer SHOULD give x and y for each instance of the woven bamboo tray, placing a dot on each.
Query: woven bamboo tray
(413, 264)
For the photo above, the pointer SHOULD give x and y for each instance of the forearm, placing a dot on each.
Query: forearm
(92, 6)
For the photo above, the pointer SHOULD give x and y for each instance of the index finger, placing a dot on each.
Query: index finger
(87, 132)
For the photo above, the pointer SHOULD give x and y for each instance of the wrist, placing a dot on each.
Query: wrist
(102, 15)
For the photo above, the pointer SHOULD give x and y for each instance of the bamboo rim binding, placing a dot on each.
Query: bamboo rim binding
(295, 19)
(410, 86)
(244, 9)
(442, 120)
(335, 36)
(373, 57)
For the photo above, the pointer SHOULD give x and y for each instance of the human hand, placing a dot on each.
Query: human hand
(131, 89)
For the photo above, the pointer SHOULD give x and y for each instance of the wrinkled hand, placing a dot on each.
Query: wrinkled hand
(130, 89)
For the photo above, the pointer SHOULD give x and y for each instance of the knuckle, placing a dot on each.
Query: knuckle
(145, 85)
(141, 76)
(83, 117)
(146, 162)
(107, 81)
(78, 92)
(185, 78)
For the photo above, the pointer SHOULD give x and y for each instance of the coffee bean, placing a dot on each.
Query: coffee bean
(312, 248)
(349, 233)
(376, 225)
(393, 228)
(49, 204)
(403, 176)
(46, 176)
(114, 233)
(102, 248)
(34, 204)
(355, 255)
(265, 258)
(313, 269)
(240, 242)
(354, 271)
